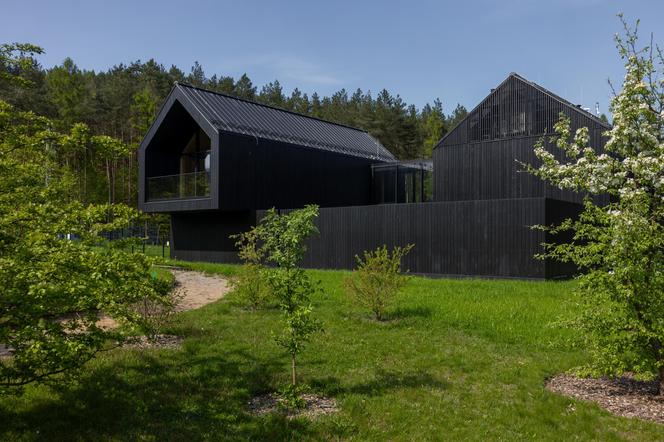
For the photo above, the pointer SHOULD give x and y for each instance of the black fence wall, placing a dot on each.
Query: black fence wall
(480, 238)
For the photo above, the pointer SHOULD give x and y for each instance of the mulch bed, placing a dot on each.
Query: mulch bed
(5, 351)
(158, 341)
(624, 396)
(139, 342)
(270, 403)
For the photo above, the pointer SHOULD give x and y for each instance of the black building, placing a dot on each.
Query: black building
(215, 163)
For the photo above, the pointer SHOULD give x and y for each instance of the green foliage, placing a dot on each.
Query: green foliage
(122, 103)
(378, 279)
(251, 283)
(290, 397)
(251, 286)
(474, 351)
(56, 285)
(619, 246)
(284, 243)
(15, 59)
(143, 110)
(67, 88)
(434, 126)
(156, 314)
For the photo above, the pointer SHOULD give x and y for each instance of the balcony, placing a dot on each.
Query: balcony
(180, 186)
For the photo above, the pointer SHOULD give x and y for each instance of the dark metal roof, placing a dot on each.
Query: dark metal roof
(236, 115)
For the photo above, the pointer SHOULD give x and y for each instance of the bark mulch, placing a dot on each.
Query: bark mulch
(158, 341)
(316, 406)
(624, 396)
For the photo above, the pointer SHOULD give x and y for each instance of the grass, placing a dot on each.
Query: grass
(162, 273)
(457, 359)
(155, 251)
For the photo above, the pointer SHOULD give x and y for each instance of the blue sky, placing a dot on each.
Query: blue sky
(456, 51)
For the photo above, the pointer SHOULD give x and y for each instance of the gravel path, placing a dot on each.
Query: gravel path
(199, 289)
(194, 290)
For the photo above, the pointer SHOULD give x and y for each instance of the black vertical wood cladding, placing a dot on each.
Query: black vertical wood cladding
(480, 222)
(490, 238)
(205, 236)
(259, 174)
(481, 158)
(482, 238)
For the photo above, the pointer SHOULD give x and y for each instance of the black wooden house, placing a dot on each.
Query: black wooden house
(216, 163)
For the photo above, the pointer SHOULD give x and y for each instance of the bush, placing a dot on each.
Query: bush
(251, 285)
(378, 279)
(155, 316)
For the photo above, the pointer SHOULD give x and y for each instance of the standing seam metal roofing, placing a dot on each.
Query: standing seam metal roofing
(236, 115)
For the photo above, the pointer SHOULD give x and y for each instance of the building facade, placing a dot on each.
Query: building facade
(216, 163)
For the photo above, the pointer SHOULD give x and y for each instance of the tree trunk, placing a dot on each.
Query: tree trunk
(660, 386)
(294, 378)
(108, 179)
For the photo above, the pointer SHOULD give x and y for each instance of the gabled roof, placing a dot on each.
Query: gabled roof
(562, 100)
(510, 80)
(231, 114)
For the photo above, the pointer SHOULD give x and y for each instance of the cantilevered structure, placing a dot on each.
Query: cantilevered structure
(215, 163)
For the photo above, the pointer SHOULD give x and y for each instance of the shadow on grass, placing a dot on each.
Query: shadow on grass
(383, 382)
(409, 312)
(175, 396)
(393, 317)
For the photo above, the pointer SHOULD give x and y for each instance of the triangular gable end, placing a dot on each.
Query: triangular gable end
(177, 119)
(175, 97)
(515, 108)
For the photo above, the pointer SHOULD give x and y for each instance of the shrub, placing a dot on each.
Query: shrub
(378, 279)
(251, 285)
(155, 316)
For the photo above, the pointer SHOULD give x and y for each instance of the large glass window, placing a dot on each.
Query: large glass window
(403, 182)
(180, 164)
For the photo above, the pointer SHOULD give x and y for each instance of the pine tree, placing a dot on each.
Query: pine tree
(244, 88)
(273, 94)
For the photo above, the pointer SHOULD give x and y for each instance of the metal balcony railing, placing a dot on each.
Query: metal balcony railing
(184, 185)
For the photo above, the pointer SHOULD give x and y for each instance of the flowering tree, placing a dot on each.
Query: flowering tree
(619, 247)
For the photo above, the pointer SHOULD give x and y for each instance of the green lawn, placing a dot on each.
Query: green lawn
(459, 359)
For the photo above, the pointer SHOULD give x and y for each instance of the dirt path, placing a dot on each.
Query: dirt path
(199, 289)
(195, 288)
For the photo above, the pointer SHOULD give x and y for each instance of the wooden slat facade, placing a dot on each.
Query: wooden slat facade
(480, 223)
(481, 238)
(481, 157)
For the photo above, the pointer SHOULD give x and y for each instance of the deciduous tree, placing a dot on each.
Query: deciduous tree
(619, 247)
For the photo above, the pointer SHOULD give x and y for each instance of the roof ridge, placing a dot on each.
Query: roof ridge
(179, 83)
(559, 98)
(539, 87)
